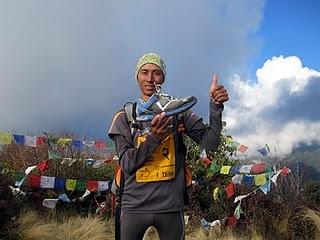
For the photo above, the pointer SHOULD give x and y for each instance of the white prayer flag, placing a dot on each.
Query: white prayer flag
(239, 198)
(50, 203)
(47, 182)
(103, 185)
(29, 169)
(237, 179)
(30, 141)
(245, 168)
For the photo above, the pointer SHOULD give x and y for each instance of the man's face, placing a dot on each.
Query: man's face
(149, 75)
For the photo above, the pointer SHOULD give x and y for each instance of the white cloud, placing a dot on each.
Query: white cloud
(279, 109)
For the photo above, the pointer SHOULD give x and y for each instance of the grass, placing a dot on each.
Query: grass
(31, 226)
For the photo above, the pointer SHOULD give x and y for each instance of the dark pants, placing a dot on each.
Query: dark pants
(170, 225)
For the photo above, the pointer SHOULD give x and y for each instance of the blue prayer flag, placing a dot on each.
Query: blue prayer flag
(19, 139)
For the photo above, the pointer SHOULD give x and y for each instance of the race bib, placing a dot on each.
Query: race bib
(160, 166)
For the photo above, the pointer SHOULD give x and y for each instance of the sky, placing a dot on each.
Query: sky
(69, 65)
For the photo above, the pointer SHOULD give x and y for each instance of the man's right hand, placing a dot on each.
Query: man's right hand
(161, 126)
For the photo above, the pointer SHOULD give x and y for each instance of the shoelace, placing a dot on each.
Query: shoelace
(159, 92)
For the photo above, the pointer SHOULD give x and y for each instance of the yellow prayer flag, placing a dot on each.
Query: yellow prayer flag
(229, 140)
(64, 141)
(216, 193)
(260, 179)
(5, 138)
(225, 169)
(71, 184)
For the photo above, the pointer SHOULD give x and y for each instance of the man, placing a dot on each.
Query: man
(153, 157)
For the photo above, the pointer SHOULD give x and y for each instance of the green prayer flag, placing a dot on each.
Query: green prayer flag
(214, 167)
(238, 211)
(53, 155)
(81, 185)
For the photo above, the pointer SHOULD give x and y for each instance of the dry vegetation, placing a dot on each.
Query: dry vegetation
(288, 211)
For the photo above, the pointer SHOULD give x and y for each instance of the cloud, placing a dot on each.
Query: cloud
(70, 65)
(279, 109)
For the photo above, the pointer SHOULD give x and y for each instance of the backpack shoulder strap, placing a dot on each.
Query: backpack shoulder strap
(130, 111)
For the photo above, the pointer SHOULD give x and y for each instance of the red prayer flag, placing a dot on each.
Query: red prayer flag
(232, 221)
(100, 144)
(258, 168)
(40, 141)
(285, 171)
(242, 148)
(33, 181)
(43, 166)
(206, 161)
(92, 185)
(230, 190)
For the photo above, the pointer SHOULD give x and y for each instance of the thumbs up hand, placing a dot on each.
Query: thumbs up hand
(218, 93)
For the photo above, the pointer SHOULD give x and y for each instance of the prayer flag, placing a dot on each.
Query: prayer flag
(47, 182)
(77, 144)
(258, 168)
(235, 144)
(92, 185)
(242, 148)
(5, 138)
(64, 141)
(71, 184)
(43, 166)
(229, 140)
(285, 171)
(260, 179)
(237, 179)
(50, 203)
(103, 185)
(52, 155)
(230, 190)
(247, 180)
(41, 141)
(205, 224)
(235, 169)
(232, 221)
(31, 141)
(239, 198)
(214, 167)
(19, 178)
(59, 183)
(87, 192)
(263, 151)
(29, 169)
(100, 144)
(63, 197)
(265, 188)
(275, 176)
(33, 181)
(238, 211)
(88, 143)
(245, 168)
(19, 139)
(81, 185)
(216, 193)
(225, 169)
(206, 161)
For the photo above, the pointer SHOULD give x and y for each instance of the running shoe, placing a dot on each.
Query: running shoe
(162, 102)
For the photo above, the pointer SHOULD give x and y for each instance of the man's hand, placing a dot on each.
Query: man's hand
(218, 93)
(161, 126)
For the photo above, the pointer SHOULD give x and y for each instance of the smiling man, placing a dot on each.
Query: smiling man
(153, 156)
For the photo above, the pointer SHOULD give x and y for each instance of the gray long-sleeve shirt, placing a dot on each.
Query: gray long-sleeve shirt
(159, 196)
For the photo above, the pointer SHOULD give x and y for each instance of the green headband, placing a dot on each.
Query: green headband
(151, 58)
